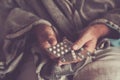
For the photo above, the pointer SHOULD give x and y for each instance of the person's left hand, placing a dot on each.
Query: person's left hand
(46, 37)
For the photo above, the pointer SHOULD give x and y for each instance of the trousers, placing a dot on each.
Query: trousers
(104, 65)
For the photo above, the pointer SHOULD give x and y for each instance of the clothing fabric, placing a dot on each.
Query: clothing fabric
(105, 66)
(26, 69)
(19, 17)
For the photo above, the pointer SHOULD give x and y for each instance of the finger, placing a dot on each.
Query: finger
(90, 45)
(45, 44)
(63, 63)
(78, 44)
(52, 40)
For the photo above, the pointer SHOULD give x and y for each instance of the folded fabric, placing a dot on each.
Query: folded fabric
(115, 42)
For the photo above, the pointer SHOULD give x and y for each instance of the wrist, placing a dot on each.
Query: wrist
(114, 28)
(100, 30)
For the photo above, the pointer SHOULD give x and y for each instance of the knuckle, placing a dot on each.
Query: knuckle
(45, 45)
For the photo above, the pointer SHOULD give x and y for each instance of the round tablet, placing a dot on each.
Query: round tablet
(62, 52)
(58, 55)
(72, 51)
(58, 50)
(58, 45)
(66, 50)
(50, 49)
(61, 43)
(54, 52)
(65, 46)
(62, 48)
(54, 47)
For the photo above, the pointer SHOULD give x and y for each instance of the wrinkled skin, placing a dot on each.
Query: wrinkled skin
(46, 36)
(88, 37)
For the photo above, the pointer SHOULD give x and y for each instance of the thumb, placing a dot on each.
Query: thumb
(79, 43)
(90, 45)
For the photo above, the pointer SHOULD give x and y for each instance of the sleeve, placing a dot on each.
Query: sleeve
(102, 11)
(15, 23)
(112, 20)
(20, 22)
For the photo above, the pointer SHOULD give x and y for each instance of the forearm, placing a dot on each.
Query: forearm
(107, 13)
(111, 20)
(114, 29)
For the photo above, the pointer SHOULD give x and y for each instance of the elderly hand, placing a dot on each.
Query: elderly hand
(89, 37)
(45, 35)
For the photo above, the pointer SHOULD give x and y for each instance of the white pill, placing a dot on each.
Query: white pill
(58, 55)
(74, 55)
(81, 49)
(54, 47)
(58, 50)
(66, 50)
(62, 52)
(82, 56)
(62, 48)
(58, 45)
(54, 52)
(50, 49)
(72, 51)
(61, 43)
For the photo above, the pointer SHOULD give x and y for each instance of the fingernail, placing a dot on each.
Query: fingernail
(75, 47)
(55, 42)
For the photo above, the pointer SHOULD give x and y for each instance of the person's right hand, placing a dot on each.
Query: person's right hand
(45, 35)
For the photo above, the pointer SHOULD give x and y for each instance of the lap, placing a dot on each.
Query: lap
(105, 66)
(26, 69)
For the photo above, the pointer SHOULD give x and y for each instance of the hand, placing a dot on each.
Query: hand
(45, 35)
(89, 37)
